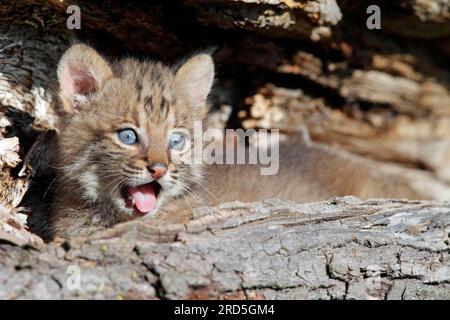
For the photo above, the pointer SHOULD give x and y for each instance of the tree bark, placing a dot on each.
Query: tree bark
(344, 248)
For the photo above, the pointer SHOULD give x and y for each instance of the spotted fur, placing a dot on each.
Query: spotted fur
(101, 98)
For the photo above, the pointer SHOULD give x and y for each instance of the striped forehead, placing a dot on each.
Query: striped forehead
(151, 94)
(153, 116)
(156, 101)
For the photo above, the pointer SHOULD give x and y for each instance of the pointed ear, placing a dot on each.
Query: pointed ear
(195, 78)
(81, 72)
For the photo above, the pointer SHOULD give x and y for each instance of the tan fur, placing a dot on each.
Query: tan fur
(153, 99)
(92, 163)
(307, 173)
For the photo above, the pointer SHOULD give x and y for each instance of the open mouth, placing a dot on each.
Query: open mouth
(142, 198)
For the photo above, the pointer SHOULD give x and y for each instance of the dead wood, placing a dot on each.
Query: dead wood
(310, 65)
(344, 248)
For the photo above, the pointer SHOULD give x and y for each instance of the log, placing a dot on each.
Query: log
(382, 95)
(344, 248)
(31, 42)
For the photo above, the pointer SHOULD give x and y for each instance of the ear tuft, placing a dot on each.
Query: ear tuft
(195, 78)
(81, 72)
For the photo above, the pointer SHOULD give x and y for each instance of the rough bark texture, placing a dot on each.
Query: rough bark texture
(312, 64)
(344, 248)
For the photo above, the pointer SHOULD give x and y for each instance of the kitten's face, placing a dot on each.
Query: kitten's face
(127, 144)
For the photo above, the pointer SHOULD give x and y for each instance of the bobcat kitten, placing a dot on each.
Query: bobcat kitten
(123, 146)
(124, 150)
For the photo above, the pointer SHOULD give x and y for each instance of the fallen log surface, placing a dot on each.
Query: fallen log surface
(344, 248)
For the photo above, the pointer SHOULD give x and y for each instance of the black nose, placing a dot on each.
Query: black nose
(157, 170)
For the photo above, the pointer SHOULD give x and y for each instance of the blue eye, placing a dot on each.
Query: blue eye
(127, 136)
(177, 141)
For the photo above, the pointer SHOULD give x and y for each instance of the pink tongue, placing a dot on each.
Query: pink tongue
(144, 198)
